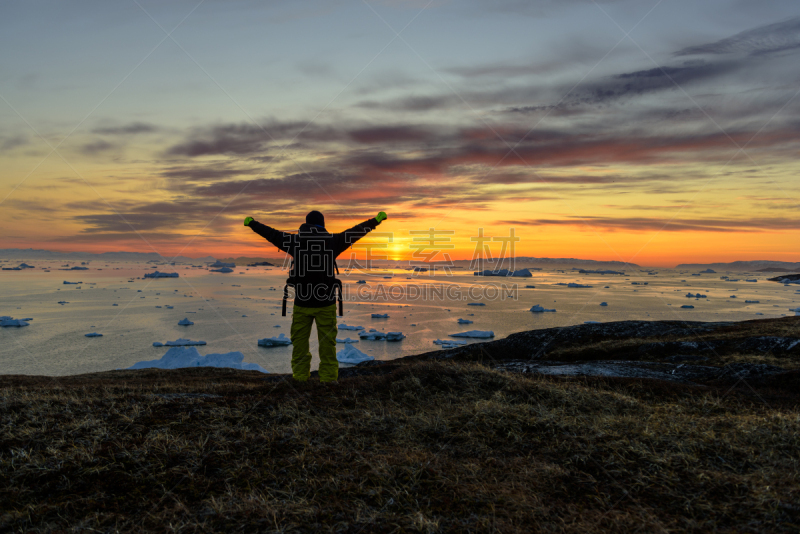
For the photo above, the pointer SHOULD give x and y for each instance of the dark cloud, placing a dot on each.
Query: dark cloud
(777, 37)
(644, 224)
(97, 147)
(390, 134)
(247, 138)
(196, 173)
(127, 129)
(11, 142)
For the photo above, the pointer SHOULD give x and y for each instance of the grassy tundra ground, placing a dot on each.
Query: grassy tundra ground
(418, 447)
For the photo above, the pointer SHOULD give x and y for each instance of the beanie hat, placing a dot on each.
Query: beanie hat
(316, 218)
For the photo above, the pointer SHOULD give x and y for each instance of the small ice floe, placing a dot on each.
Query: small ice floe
(8, 321)
(751, 280)
(276, 326)
(73, 283)
(696, 296)
(476, 304)
(474, 333)
(115, 304)
(156, 274)
(180, 342)
(538, 309)
(138, 290)
(709, 271)
(346, 340)
(374, 335)
(604, 304)
(182, 357)
(93, 334)
(244, 315)
(158, 306)
(361, 282)
(279, 341)
(687, 307)
(573, 284)
(591, 322)
(530, 287)
(185, 322)
(733, 296)
(380, 315)
(640, 283)
(222, 270)
(347, 327)
(170, 307)
(759, 313)
(350, 354)
(62, 302)
(449, 343)
(464, 321)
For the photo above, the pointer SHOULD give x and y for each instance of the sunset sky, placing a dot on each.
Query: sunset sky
(654, 132)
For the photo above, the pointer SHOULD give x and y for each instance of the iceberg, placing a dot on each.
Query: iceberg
(279, 341)
(93, 334)
(185, 322)
(182, 357)
(217, 264)
(380, 315)
(464, 321)
(709, 271)
(350, 354)
(223, 270)
(538, 309)
(474, 333)
(347, 327)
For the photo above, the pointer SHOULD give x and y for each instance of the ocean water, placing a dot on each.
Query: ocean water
(424, 308)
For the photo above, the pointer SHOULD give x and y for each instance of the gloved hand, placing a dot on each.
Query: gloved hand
(381, 216)
(247, 221)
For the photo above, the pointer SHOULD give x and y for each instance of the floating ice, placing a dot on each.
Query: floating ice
(156, 274)
(374, 335)
(346, 340)
(530, 287)
(361, 282)
(591, 322)
(688, 306)
(449, 343)
(522, 273)
(223, 270)
(752, 280)
(93, 334)
(380, 315)
(604, 304)
(696, 296)
(474, 333)
(170, 307)
(538, 309)
(733, 296)
(8, 321)
(350, 354)
(709, 271)
(279, 341)
(73, 283)
(752, 301)
(115, 304)
(347, 327)
(464, 321)
(63, 302)
(640, 283)
(185, 322)
(183, 342)
(217, 264)
(476, 304)
(182, 357)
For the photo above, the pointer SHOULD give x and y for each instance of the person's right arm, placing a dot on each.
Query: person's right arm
(282, 240)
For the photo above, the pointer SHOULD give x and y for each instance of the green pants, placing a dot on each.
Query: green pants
(302, 319)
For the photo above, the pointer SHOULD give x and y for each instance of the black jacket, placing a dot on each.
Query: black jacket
(313, 251)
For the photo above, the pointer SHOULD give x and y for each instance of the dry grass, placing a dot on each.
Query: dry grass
(429, 447)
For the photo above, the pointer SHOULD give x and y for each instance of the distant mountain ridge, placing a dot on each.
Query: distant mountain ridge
(754, 265)
(39, 254)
